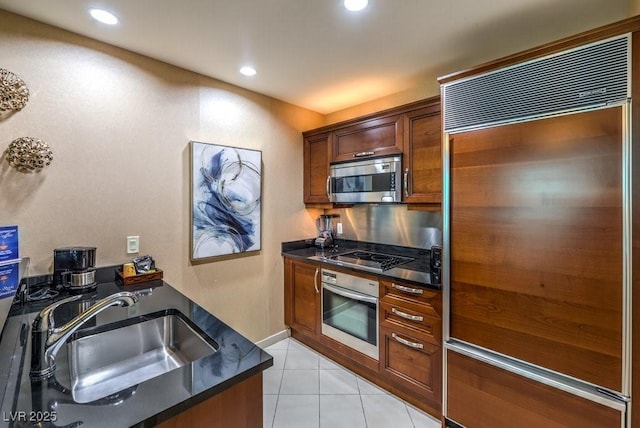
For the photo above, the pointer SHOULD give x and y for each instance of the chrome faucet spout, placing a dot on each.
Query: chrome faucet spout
(46, 339)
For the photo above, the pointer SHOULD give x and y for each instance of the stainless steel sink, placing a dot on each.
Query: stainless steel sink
(104, 363)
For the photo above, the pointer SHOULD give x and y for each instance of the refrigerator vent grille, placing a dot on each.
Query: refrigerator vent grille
(591, 75)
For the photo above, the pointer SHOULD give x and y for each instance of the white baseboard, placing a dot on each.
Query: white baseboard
(274, 338)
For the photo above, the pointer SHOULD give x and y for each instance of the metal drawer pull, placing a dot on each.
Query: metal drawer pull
(407, 316)
(406, 342)
(315, 280)
(406, 182)
(407, 289)
(362, 154)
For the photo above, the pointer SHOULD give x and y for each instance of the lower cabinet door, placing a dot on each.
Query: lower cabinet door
(480, 395)
(412, 362)
(302, 296)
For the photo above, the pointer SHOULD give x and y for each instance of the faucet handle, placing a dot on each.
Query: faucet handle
(44, 321)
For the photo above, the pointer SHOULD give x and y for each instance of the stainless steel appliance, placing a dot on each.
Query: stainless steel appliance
(350, 311)
(371, 180)
(367, 260)
(74, 268)
(324, 223)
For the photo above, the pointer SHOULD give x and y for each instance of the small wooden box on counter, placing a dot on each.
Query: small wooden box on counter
(137, 279)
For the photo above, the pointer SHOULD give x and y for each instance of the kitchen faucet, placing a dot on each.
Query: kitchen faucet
(46, 340)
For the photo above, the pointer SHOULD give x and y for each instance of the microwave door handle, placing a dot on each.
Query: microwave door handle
(349, 295)
(329, 188)
(363, 154)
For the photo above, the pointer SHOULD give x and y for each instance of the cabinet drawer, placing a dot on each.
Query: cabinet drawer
(421, 317)
(411, 292)
(414, 363)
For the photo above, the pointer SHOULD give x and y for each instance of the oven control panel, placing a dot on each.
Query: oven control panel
(351, 282)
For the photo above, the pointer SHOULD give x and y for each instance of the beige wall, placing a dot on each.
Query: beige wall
(634, 7)
(425, 88)
(119, 125)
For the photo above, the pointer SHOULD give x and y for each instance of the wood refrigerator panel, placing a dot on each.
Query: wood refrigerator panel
(536, 242)
(481, 395)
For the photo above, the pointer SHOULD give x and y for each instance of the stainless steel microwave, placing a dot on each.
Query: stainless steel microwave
(370, 180)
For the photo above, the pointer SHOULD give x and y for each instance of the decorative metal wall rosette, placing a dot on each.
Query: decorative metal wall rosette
(28, 154)
(14, 93)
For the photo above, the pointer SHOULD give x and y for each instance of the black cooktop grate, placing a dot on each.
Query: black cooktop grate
(372, 260)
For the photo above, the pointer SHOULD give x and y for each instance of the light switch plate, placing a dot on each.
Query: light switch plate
(133, 244)
(339, 228)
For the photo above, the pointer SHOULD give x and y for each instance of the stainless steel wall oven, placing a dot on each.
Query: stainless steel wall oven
(350, 311)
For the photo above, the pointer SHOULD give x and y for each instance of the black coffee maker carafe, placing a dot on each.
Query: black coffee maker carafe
(74, 267)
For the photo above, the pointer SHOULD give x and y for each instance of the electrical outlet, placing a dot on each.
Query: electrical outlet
(133, 244)
(339, 228)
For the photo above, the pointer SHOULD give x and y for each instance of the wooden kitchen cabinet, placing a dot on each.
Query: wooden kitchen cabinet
(316, 168)
(302, 296)
(372, 137)
(423, 155)
(411, 339)
(238, 406)
(413, 363)
(413, 130)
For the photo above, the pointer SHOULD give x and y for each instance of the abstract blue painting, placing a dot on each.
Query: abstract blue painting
(226, 189)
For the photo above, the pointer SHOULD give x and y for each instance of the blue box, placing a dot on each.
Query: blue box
(9, 280)
(8, 243)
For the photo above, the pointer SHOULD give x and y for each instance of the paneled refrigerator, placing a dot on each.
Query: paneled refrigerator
(538, 251)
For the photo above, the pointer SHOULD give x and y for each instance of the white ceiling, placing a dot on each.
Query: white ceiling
(316, 54)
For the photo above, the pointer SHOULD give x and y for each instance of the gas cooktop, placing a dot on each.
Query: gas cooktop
(374, 262)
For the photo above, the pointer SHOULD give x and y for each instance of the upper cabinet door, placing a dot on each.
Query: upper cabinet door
(376, 137)
(423, 156)
(316, 168)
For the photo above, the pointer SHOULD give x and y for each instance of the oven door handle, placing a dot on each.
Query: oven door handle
(350, 295)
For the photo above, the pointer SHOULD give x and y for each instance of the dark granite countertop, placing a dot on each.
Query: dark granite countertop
(26, 404)
(416, 272)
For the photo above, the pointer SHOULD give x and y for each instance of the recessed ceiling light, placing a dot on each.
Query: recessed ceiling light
(103, 16)
(248, 71)
(355, 5)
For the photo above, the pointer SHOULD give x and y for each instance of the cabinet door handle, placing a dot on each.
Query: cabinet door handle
(405, 342)
(409, 290)
(315, 280)
(363, 154)
(406, 182)
(407, 316)
(329, 188)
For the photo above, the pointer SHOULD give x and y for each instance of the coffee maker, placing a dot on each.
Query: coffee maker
(74, 268)
(324, 223)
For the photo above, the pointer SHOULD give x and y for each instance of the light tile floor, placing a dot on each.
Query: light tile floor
(304, 389)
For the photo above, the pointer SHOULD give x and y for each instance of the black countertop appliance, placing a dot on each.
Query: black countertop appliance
(74, 267)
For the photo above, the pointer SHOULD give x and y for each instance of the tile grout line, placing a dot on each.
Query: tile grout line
(364, 414)
(319, 410)
(275, 410)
